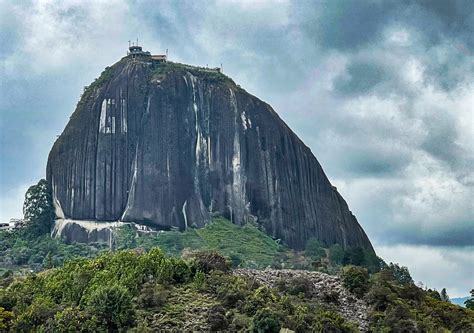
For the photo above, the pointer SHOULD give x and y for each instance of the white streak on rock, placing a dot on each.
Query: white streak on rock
(131, 191)
(209, 149)
(196, 118)
(183, 210)
(57, 205)
(90, 229)
(103, 116)
(72, 197)
(243, 117)
(113, 125)
(123, 111)
(148, 105)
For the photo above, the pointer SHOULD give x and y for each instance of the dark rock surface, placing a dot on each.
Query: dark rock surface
(169, 145)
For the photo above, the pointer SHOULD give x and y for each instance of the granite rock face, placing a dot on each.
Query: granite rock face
(169, 145)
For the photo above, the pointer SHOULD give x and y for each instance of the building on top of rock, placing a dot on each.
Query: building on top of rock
(136, 52)
(159, 57)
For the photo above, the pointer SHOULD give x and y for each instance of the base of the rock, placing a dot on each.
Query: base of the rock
(80, 231)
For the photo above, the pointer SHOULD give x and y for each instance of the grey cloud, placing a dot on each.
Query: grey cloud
(279, 58)
(360, 78)
(459, 233)
(344, 25)
(439, 19)
(441, 141)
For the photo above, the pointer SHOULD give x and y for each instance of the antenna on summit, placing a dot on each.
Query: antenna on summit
(137, 41)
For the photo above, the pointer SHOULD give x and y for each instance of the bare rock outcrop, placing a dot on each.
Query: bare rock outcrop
(326, 289)
(169, 145)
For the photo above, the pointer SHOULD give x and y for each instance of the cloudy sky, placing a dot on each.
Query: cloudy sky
(382, 92)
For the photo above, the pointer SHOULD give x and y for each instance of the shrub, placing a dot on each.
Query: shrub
(207, 261)
(266, 321)
(113, 305)
(152, 296)
(356, 279)
(380, 297)
(181, 270)
(7, 299)
(72, 319)
(296, 285)
(400, 319)
(235, 259)
(240, 323)
(199, 280)
(5, 319)
(329, 321)
(36, 314)
(314, 249)
(216, 319)
(411, 292)
(231, 290)
(260, 298)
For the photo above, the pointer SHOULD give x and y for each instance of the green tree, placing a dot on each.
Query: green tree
(400, 273)
(113, 305)
(434, 294)
(266, 321)
(314, 249)
(72, 319)
(336, 254)
(36, 314)
(356, 279)
(470, 302)
(354, 256)
(48, 261)
(444, 295)
(38, 209)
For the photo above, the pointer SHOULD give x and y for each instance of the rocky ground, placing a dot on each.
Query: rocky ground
(326, 289)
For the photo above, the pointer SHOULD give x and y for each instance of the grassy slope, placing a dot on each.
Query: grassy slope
(249, 245)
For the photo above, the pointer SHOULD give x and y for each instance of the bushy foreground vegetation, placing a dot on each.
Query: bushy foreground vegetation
(179, 287)
(150, 291)
(398, 305)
